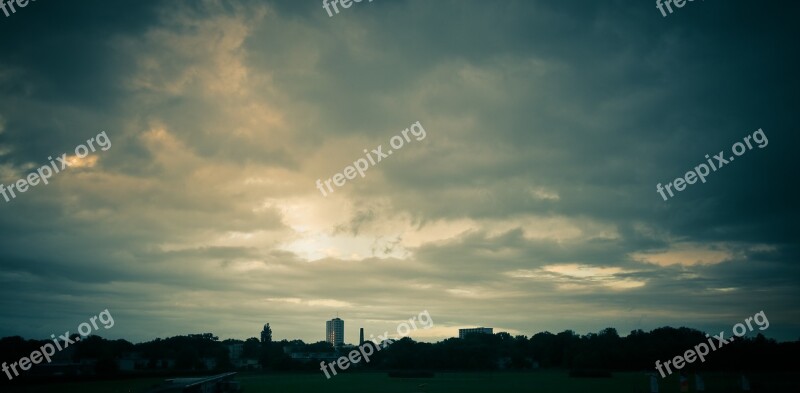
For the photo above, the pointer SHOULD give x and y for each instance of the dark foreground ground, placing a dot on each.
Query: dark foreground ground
(550, 381)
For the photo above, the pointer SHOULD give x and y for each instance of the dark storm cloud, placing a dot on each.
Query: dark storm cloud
(530, 205)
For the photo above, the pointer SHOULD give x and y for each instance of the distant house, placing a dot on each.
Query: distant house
(132, 361)
(235, 352)
(503, 363)
(64, 356)
(311, 357)
(157, 364)
(480, 330)
(168, 363)
(249, 364)
(209, 363)
(61, 369)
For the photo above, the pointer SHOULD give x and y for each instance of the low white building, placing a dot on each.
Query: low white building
(480, 330)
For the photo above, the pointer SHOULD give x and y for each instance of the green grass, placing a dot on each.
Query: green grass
(442, 382)
(121, 386)
(547, 381)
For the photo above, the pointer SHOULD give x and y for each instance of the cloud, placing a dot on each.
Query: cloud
(578, 277)
(687, 254)
(548, 126)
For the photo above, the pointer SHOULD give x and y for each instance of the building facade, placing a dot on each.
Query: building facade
(334, 332)
(481, 330)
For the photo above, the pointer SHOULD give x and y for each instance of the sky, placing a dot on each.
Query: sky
(529, 205)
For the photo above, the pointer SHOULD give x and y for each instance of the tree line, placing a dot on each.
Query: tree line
(604, 350)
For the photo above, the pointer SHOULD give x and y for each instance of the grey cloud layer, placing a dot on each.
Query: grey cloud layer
(548, 124)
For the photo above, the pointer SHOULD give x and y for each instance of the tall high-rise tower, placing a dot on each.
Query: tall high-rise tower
(361, 337)
(334, 332)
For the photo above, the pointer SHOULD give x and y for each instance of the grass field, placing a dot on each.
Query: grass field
(550, 381)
